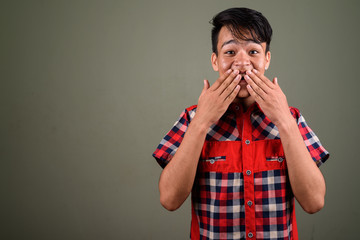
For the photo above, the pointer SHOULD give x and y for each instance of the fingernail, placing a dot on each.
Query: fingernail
(236, 71)
(248, 72)
(255, 71)
(229, 70)
(237, 77)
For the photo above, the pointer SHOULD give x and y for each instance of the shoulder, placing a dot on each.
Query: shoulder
(298, 117)
(192, 108)
(295, 112)
(190, 112)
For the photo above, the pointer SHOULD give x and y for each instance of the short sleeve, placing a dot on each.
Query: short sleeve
(318, 153)
(172, 140)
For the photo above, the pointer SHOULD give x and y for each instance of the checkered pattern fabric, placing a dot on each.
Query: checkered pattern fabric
(170, 143)
(263, 127)
(241, 190)
(219, 202)
(273, 205)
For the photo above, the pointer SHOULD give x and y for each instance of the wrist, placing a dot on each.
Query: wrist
(287, 124)
(200, 125)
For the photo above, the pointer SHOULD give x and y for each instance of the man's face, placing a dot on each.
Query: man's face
(239, 54)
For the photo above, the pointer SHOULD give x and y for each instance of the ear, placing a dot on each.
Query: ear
(267, 61)
(214, 62)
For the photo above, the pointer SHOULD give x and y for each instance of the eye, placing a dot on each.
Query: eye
(253, 52)
(230, 52)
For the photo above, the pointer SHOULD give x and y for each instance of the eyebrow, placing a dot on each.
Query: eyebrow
(233, 41)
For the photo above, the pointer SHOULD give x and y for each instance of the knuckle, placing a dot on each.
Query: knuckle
(228, 89)
(236, 81)
(227, 81)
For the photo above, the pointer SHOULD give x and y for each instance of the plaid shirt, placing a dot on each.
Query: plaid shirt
(241, 190)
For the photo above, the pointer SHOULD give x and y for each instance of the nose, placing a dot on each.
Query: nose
(241, 61)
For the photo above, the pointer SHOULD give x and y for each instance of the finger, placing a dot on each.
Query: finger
(258, 81)
(230, 98)
(256, 96)
(230, 88)
(264, 79)
(228, 81)
(220, 80)
(255, 87)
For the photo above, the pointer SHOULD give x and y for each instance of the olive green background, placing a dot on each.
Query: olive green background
(89, 88)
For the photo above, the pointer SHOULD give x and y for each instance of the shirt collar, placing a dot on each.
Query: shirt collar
(237, 107)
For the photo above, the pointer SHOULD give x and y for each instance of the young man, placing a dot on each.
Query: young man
(242, 151)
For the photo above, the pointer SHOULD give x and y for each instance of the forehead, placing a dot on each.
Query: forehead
(227, 37)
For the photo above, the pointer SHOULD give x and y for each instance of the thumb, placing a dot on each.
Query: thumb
(206, 85)
(275, 81)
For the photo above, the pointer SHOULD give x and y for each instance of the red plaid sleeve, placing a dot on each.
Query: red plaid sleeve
(312, 142)
(172, 140)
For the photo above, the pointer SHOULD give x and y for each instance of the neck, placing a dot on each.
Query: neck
(245, 102)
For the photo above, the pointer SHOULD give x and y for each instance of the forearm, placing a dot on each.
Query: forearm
(306, 179)
(178, 176)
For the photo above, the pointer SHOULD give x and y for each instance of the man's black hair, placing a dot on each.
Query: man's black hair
(241, 22)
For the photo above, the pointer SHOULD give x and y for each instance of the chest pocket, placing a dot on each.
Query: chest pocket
(269, 155)
(212, 160)
(220, 156)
